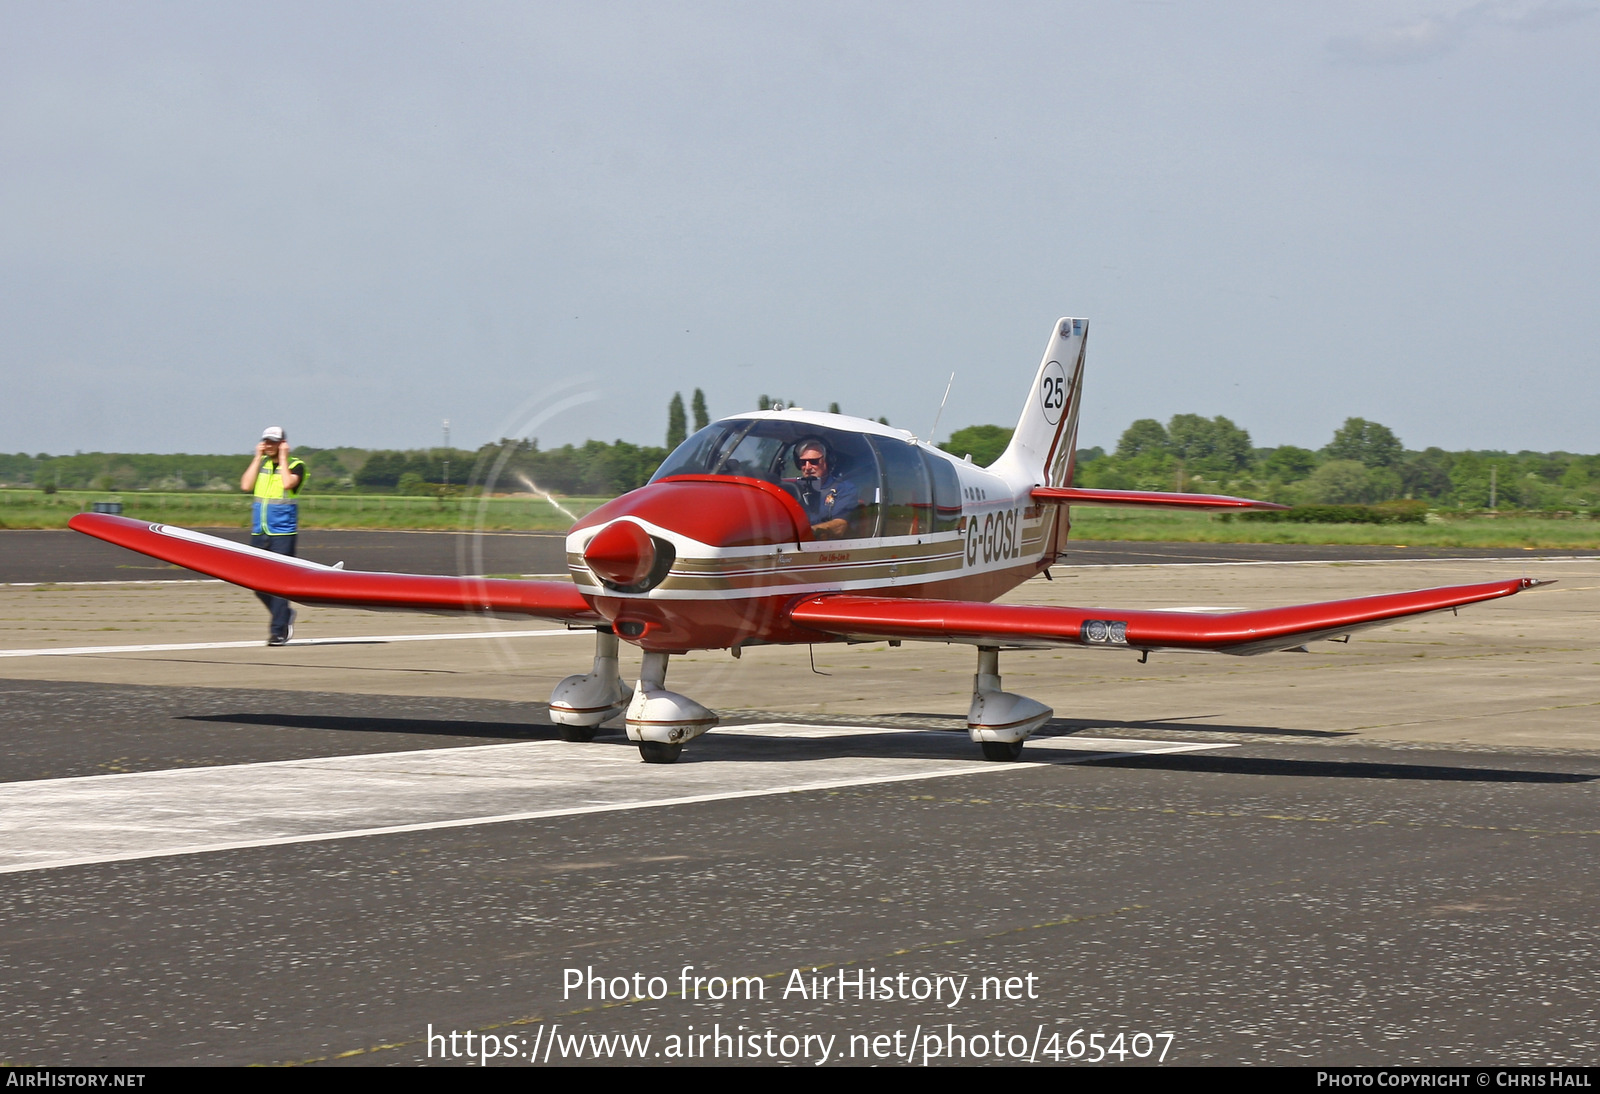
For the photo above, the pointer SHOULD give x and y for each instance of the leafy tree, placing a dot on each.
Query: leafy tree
(1469, 480)
(1341, 482)
(984, 442)
(1368, 443)
(1107, 474)
(1288, 463)
(764, 403)
(1231, 444)
(1581, 472)
(1216, 444)
(677, 422)
(1143, 437)
(381, 471)
(698, 406)
(1426, 474)
(833, 408)
(595, 467)
(17, 468)
(1529, 490)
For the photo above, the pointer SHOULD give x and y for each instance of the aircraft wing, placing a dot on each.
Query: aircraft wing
(1260, 630)
(312, 583)
(1145, 499)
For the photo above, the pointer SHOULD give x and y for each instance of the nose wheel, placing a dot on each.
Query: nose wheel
(660, 721)
(659, 752)
(1005, 751)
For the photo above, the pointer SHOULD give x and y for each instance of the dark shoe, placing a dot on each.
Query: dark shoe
(278, 640)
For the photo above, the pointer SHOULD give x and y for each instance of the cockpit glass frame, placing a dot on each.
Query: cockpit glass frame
(899, 492)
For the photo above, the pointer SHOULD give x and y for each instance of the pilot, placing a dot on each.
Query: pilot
(829, 499)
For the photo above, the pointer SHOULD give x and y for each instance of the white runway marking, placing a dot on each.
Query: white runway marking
(49, 824)
(356, 639)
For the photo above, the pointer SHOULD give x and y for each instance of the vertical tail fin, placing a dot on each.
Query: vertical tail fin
(1047, 433)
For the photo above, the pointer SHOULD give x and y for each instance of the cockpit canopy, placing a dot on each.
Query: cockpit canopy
(903, 489)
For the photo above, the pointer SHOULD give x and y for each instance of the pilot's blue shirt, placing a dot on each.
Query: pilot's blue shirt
(833, 498)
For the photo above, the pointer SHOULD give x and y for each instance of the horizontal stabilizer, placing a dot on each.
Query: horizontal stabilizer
(1145, 499)
(1260, 630)
(312, 583)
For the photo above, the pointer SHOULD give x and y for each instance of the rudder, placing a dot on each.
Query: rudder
(1042, 446)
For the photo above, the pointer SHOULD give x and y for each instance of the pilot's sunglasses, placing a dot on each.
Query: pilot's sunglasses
(803, 460)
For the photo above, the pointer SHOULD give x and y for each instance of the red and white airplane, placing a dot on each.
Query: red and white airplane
(878, 536)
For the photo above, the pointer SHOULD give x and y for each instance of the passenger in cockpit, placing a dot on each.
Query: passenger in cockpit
(829, 499)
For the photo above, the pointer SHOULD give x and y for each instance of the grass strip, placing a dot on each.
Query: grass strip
(35, 509)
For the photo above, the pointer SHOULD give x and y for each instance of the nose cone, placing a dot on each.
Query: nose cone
(621, 554)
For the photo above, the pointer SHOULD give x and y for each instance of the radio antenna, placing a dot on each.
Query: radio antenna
(939, 415)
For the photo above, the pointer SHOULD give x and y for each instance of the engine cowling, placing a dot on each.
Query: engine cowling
(629, 546)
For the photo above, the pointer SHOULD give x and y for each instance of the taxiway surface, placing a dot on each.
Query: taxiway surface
(56, 555)
(1375, 853)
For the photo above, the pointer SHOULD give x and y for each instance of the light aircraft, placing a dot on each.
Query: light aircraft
(732, 544)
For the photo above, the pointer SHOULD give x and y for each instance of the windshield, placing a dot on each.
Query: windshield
(763, 448)
(872, 486)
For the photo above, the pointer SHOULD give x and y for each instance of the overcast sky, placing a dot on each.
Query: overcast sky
(358, 219)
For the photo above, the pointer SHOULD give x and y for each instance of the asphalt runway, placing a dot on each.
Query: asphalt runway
(64, 555)
(53, 555)
(1381, 853)
(1273, 903)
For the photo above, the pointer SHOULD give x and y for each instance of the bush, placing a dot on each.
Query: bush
(1404, 511)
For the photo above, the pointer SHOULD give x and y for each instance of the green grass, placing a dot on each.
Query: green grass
(35, 509)
(1444, 531)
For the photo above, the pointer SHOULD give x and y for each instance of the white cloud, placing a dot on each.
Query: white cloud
(1430, 36)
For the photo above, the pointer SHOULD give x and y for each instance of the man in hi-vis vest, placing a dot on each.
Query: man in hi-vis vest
(275, 478)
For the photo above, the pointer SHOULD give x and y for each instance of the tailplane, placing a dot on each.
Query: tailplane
(1042, 447)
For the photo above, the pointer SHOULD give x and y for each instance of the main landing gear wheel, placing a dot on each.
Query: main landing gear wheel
(1002, 750)
(659, 752)
(577, 734)
(999, 720)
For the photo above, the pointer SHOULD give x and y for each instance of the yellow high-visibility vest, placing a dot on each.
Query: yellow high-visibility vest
(274, 512)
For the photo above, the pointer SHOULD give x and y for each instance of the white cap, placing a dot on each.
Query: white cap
(272, 433)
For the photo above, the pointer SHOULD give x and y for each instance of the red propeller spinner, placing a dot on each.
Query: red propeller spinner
(621, 554)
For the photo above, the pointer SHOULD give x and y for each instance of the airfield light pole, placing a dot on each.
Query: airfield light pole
(447, 451)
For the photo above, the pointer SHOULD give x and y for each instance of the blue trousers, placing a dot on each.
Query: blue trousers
(277, 605)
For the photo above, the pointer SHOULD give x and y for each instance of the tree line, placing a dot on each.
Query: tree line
(594, 468)
(510, 465)
(1363, 463)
